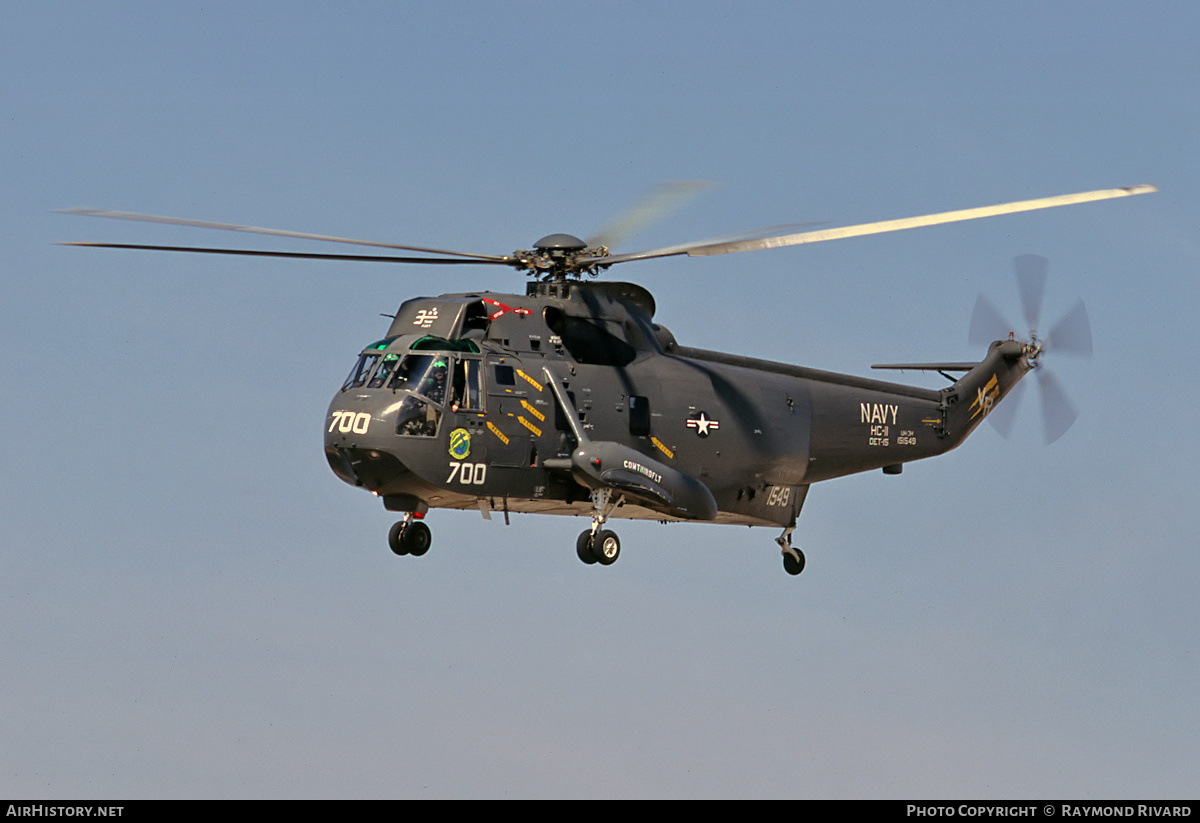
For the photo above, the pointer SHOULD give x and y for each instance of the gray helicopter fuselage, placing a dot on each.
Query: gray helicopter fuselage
(530, 402)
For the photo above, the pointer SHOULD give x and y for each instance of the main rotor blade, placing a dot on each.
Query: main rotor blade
(654, 206)
(1031, 284)
(297, 254)
(683, 248)
(1072, 334)
(202, 224)
(699, 250)
(987, 324)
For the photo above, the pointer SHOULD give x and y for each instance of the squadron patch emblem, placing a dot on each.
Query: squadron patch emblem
(460, 444)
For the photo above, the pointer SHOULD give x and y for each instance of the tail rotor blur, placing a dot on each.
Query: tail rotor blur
(1071, 335)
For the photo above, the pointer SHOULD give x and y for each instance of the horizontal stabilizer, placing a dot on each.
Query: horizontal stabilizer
(927, 366)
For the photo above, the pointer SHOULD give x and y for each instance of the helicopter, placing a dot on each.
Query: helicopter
(570, 399)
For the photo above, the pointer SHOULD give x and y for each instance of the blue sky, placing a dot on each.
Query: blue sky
(194, 606)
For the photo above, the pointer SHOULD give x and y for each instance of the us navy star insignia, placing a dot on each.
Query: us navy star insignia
(703, 424)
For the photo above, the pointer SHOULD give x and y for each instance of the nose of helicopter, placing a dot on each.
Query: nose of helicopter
(369, 469)
(355, 445)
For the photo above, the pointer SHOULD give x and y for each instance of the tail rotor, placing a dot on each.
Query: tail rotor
(1071, 335)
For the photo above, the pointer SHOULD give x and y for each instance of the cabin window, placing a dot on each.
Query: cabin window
(475, 317)
(505, 376)
(639, 416)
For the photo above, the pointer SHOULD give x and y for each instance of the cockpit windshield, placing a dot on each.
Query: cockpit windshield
(430, 376)
(360, 372)
(436, 381)
(386, 367)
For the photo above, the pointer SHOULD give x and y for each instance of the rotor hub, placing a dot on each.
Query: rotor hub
(559, 256)
(1034, 349)
(560, 243)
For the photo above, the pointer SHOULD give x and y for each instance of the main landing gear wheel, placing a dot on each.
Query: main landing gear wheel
(793, 560)
(409, 538)
(603, 548)
(597, 545)
(606, 547)
(583, 547)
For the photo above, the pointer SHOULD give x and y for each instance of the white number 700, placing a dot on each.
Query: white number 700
(348, 421)
(469, 474)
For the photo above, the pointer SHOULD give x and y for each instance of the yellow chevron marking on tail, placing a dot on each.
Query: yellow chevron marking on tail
(986, 398)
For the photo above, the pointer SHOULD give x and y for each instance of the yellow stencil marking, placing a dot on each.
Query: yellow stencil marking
(529, 408)
(532, 382)
(497, 432)
(530, 426)
(662, 448)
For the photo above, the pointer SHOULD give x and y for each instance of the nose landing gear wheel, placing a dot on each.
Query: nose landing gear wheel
(409, 538)
(394, 541)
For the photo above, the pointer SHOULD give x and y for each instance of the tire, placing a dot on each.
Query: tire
(416, 538)
(583, 547)
(606, 548)
(394, 538)
(791, 565)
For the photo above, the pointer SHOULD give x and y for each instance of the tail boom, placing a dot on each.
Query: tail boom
(870, 425)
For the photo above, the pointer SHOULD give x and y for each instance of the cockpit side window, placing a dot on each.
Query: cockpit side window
(424, 374)
(434, 384)
(465, 393)
(417, 417)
